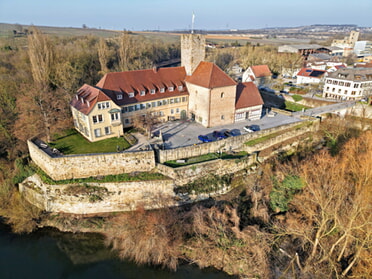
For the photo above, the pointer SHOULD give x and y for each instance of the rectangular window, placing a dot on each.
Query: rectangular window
(184, 99)
(347, 84)
(171, 101)
(153, 104)
(143, 106)
(119, 96)
(124, 109)
(131, 108)
(327, 88)
(160, 103)
(222, 117)
(177, 100)
(335, 82)
(97, 118)
(99, 106)
(170, 88)
(162, 90)
(126, 121)
(180, 88)
(138, 107)
(107, 104)
(107, 130)
(114, 116)
(142, 93)
(161, 113)
(341, 83)
(165, 102)
(356, 85)
(329, 81)
(353, 92)
(177, 110)
(131, 94)
(172, 111)
(152, 91)
(339, 91)
(97, 132)
(148, 105)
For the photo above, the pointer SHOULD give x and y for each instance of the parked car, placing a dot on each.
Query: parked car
(219, 135)
(204, 138)
(284, 91)
(251, 128)
(231, 133)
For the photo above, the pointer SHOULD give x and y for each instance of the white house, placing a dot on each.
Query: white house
(348, 84)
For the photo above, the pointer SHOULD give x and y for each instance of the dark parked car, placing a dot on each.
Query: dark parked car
(204, 138)
(284, 92)
(231, 133)
(219, 135)
(252, 128)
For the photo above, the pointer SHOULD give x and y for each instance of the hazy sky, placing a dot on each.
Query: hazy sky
(177, 14)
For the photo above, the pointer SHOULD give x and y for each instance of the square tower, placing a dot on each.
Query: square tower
(192, 51)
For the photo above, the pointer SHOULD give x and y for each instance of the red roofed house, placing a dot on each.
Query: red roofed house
(308, 75)
(207, 95)
(248, 103)
(259, 74)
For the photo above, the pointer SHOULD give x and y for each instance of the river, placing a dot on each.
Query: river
(51, 254)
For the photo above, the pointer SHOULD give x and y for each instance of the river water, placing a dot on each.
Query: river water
(51, 254)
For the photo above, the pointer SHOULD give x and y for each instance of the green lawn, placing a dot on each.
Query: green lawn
(205, 158)
(71, 142)
(291, 106)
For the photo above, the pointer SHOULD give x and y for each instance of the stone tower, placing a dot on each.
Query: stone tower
(192, 51)
(354, 36)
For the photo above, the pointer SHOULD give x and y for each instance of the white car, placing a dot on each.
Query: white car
(251, 128)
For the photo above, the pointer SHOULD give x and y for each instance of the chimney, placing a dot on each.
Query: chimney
(155, 69)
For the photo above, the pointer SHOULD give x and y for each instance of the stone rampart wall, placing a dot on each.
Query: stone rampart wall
(186, 174)
(97, 197)
(60, 167)
(234, 143)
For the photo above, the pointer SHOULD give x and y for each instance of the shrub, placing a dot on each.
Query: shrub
(283, 192)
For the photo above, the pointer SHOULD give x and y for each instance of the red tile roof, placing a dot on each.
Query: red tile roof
(308, 72)
(247, 95)
(123, 83)
(87, 96)
(210, 76)
(261, 71)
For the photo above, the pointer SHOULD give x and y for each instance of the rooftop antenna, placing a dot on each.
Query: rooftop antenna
(192, 23)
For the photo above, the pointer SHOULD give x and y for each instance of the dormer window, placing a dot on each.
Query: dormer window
(180, 88)
(119, 96)
(152, 91)
(82, 100)
(77, 97)
(170, 88)
(142, 93)
(131, 94)
(162, 90)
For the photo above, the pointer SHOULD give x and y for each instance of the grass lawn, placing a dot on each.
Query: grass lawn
(71, 142)
(205, 158)
(294, 106)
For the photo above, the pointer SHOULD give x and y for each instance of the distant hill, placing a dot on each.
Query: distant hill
(7, 30)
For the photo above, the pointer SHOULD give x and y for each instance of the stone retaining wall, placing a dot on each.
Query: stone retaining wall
(61, 167)
(186, 174)
(108, 197)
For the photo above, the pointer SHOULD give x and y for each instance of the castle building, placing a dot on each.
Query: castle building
(197, 90)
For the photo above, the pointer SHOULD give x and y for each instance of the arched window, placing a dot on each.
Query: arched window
(222, 94)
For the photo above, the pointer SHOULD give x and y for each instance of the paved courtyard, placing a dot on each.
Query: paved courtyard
(184, 133)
